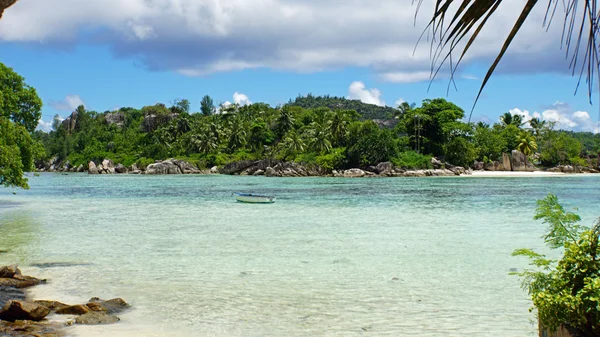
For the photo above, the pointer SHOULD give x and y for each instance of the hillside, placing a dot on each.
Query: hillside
(365, 110)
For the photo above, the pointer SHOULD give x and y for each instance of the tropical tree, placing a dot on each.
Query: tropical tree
(204, 142)
(237, 134)
(320, 136)
(20, 110)
(526, 143)
(285, 121)
(537, 125)
(207, 106)
(339, 126)
(509, 119)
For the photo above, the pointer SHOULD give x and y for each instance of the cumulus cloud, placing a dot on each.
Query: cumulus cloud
(564, 117)
(198, 37)
(44, 126)
(358, 90)
(70, 103)
(238, 98)
(398, 102)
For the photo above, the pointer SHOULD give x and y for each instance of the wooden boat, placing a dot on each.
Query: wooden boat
(254, 198)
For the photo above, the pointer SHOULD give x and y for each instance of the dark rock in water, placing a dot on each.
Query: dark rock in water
(52, 305)
(20, 310)
(9, 271)
(93, 318)
(22, 282)
(3, 251)
(120, 168)
(78, 309)
(10, 293)
(112, 306)
(58, 264)
(21, 328)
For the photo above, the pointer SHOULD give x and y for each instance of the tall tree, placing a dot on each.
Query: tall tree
(207, 106)
(20, 110)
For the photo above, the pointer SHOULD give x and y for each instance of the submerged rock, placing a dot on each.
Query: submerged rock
(10, 293)
(94, 318)
(52, 305)
(112, 306)
(78, 309)
(20, 310)
(9, 271)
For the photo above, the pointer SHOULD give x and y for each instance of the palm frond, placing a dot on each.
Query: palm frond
(449, 30)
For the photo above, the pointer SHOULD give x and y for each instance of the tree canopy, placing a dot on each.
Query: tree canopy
(20, 110)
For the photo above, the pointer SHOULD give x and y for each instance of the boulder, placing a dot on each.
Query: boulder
(436, 163)
(78, 309)
(416, 173)
(519, 162)
(120, 168)
(52, 305)
(21, 282)
(108, 166)
(214, 170)
(185, 167)
(258, 172)
(354, 173)
(9, 271)
(165, 167)
(92, 169)
(385, 166)
(95, 317)
(112, 306)
(153, 121)
(457, 170)
(117, 118)
(506, 164)
(270, 172)
(20, 310)
(478, 165)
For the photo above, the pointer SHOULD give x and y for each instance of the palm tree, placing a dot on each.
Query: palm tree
(526, 143)
(204, 142)
(452, 26)
(509, 119)
(237, 135)
(294, 143)
(339, 126)
(320, 134)
(537, 125)
(285, 120)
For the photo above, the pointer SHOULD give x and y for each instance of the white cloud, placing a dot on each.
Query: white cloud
(241, 99)
(398, 102)
(199, 37)
(70, 103)
(357, 90)
(44, 126)
(564, 117)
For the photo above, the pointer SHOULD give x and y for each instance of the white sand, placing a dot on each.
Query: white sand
(514, 174)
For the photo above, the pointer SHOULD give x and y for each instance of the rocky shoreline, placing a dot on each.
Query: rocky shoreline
(513, 162)
(21, 316)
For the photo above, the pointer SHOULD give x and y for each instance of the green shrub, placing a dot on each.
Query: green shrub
(333, 160)
(412, 160)
(143, 162)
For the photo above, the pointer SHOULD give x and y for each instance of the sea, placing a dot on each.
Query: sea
(331, 257)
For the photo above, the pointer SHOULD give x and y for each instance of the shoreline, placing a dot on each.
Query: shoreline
(505, 174)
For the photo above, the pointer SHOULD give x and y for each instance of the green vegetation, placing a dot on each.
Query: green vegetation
(20, 110)
(307, 130)
(566, 291)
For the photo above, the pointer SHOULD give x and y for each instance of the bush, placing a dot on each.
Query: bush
(333, 160)
(565, 292)
(412, 160)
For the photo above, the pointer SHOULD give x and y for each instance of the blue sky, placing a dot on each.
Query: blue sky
(109, 53)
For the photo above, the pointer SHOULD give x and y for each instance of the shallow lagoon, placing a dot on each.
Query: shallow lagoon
(332, 256)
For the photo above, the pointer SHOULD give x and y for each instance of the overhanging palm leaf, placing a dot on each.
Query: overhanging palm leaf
(4, 4)
(472, 15)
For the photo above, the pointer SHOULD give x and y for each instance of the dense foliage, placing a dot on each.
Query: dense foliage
(366, 111)
(20, 110)
(316, 134)
(566, 291)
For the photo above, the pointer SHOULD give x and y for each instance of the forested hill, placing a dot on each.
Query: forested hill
(365, 110)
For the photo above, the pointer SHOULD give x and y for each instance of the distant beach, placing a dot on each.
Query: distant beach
(513, 174)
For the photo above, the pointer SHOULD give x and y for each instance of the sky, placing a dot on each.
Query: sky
(108, 54)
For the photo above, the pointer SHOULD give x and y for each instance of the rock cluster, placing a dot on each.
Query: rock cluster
(21, 317)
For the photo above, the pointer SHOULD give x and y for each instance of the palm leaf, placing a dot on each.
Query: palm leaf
(472, 15)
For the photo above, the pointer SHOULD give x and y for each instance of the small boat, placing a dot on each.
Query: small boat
(254, 198)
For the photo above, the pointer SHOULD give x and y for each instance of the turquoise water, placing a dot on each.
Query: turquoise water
(332, 256)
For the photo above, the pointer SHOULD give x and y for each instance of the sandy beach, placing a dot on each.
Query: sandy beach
(513, 174)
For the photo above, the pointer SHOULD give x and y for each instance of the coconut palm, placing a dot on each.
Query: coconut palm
(339, 126)
(204, 142)
(285, 120)
(452, 26)
(294, 143)
(526, 143)
(237, 134)
(320, 135)
(509, 119)
(537, 125)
